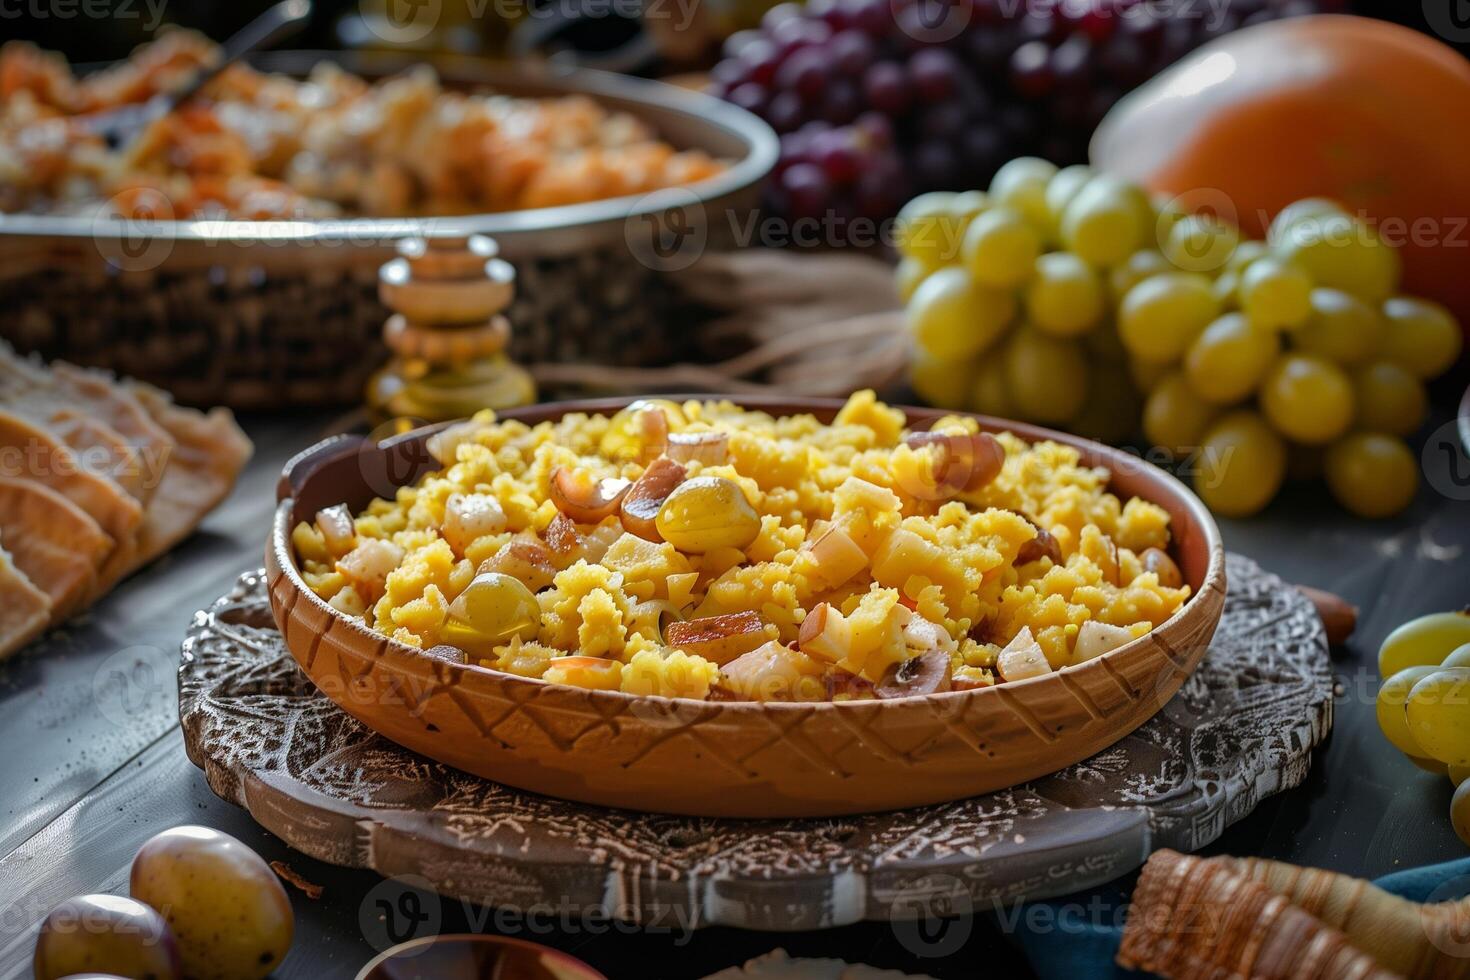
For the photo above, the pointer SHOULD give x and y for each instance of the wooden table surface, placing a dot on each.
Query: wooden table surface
(92, 764)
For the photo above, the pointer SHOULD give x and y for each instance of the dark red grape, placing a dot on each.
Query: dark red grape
(1038, 25)
(852, 51)
(785, 112)
(730, 74)
(735, 43)
(983, 148)
(1031, 71)
(805, 73)
(834, 152)
(806, 189)
(760, 59)
(779, 14)
(934, 73)
(791, 36)
(943, 121)
(887, 88)
(875, 129)
(843, 101)
(751, 97)
(1071, 62)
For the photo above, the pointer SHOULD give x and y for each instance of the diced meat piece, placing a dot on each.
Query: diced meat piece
(719, 639)
(835, 555)
(826, 635)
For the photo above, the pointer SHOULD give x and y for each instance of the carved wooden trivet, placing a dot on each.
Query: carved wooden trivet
(1242, 727)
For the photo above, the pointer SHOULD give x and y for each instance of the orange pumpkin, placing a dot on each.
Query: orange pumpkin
(1372, 114)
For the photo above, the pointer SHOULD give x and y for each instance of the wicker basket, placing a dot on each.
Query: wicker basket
(254, 315)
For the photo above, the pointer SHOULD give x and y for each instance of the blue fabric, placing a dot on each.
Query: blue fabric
(1076, 937)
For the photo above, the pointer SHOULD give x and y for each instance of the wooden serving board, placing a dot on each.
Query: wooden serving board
(1241, 728)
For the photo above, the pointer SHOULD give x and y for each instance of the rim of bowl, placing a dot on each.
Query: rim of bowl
(762, 148)
(1214, 574)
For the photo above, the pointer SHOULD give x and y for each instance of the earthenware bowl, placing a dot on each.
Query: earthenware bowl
(731, 759)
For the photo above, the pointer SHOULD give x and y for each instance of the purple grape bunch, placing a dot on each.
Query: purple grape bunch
(878, 100)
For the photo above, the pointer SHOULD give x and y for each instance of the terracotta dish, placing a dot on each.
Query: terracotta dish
(732, 759)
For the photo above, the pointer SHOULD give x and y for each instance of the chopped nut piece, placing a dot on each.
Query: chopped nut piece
(338, 531)
(1039, 547)
(962, 462)
(1096, 638)
(1022, 658)
(825, 634)
(836, 555)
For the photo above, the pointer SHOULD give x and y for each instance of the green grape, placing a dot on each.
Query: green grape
(1200, 243)
(1063, 188)
(1388, 399)
(1424, 642)
(1046, 376)
(1371, 474)
(1420, 335)
(929, 230)
(1161, 316)
(1391, 718)
(1340, 253)
(1430, 765)
(1133, 270)
(1021, 185)
(942, 381)
(969, 205)
(1227, 290)
(1167, 213)
(1459, 657)
(1274, 294)
(1105, 222)
(1307, 399)
(1000, 248)
(1438, 709)
(1341, 328)
(1307, 209)
(1460, 812)
(988, 392)
(1242, 463)
(1227, 362)
(952, 317)
(1245, 253)
(1064, 297)
(1174, 417)
(908, 275)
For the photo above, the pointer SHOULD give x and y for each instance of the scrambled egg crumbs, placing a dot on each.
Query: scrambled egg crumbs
(699, 550)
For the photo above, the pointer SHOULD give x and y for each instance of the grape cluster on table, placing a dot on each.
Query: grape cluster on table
(1071, 299)
(877, 100)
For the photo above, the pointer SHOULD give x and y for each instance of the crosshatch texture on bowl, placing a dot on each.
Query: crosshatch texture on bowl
(732, 759)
